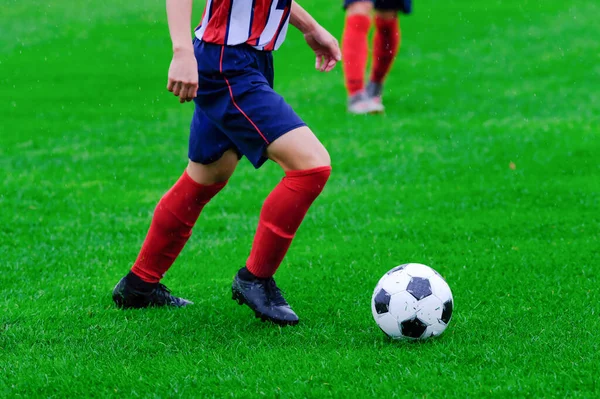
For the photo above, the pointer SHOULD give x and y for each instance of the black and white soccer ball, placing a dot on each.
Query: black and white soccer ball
(412, 301)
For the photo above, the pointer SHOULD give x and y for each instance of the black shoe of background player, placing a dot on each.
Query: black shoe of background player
(263, 297)
(133, 292)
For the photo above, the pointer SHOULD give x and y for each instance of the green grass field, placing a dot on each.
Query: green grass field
(485, 167)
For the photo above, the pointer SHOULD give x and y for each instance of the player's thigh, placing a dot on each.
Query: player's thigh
(216, 172)
(213, 156)
(363, 7)
(240, 101)
(236, 95)
(298, 149)
(262, 125)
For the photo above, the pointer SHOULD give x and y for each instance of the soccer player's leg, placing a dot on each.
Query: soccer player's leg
(262, 125)
(386, 42)
(306, 165)
(213, 159)
(355, 49)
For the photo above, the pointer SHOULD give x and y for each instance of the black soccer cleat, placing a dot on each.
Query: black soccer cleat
(126, 297)
(265, 299)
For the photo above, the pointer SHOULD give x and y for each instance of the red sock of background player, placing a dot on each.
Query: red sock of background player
(386, 42)
(174, 217)
(281, 215)
(355, 48)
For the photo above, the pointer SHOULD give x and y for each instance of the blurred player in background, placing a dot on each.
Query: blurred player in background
(355, 49)
(228, 72)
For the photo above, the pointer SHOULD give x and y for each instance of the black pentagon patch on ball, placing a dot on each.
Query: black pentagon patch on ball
(447, 312)
(382, 301)
(413, 328)
(419, 287)
(395, 269)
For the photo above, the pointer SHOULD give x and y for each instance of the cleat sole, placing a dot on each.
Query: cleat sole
(239, 298)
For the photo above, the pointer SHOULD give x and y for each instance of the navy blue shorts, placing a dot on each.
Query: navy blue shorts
(236, 106)
(404, 6)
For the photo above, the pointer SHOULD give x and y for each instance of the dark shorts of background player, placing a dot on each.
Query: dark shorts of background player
(236, 106)
(404, 6)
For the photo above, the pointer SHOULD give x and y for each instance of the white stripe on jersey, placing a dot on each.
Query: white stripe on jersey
(283, 32)
(272, 25)
(239, 26)
(204, 22)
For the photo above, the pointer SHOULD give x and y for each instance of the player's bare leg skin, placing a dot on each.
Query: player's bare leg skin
(307, 167)
(299, 149)
(171, 227)
(386, 43)
(216, 172)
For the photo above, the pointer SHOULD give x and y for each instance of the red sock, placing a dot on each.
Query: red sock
(385, 47)
(355, 48)
(174, 217)
(281, 215)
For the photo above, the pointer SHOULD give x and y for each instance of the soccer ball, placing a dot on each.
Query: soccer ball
(412, 301)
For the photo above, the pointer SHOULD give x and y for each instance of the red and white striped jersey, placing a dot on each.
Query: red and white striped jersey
(260, 23)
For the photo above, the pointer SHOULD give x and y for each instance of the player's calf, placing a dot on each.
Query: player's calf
(386, 43)
(281, 215)
(306, 165)
(355, 45)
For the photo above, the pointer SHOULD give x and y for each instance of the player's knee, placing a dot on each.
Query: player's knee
(311, 158)
(313, 154)
(322, 158)
(322, 177)
(359, 7)
(216, 172)
(299, 150)
(310, 181)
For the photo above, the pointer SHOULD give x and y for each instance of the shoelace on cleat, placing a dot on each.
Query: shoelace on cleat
(162, 292)
(274, 293)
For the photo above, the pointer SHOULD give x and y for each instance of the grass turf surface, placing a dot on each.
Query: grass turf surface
(485, 167)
